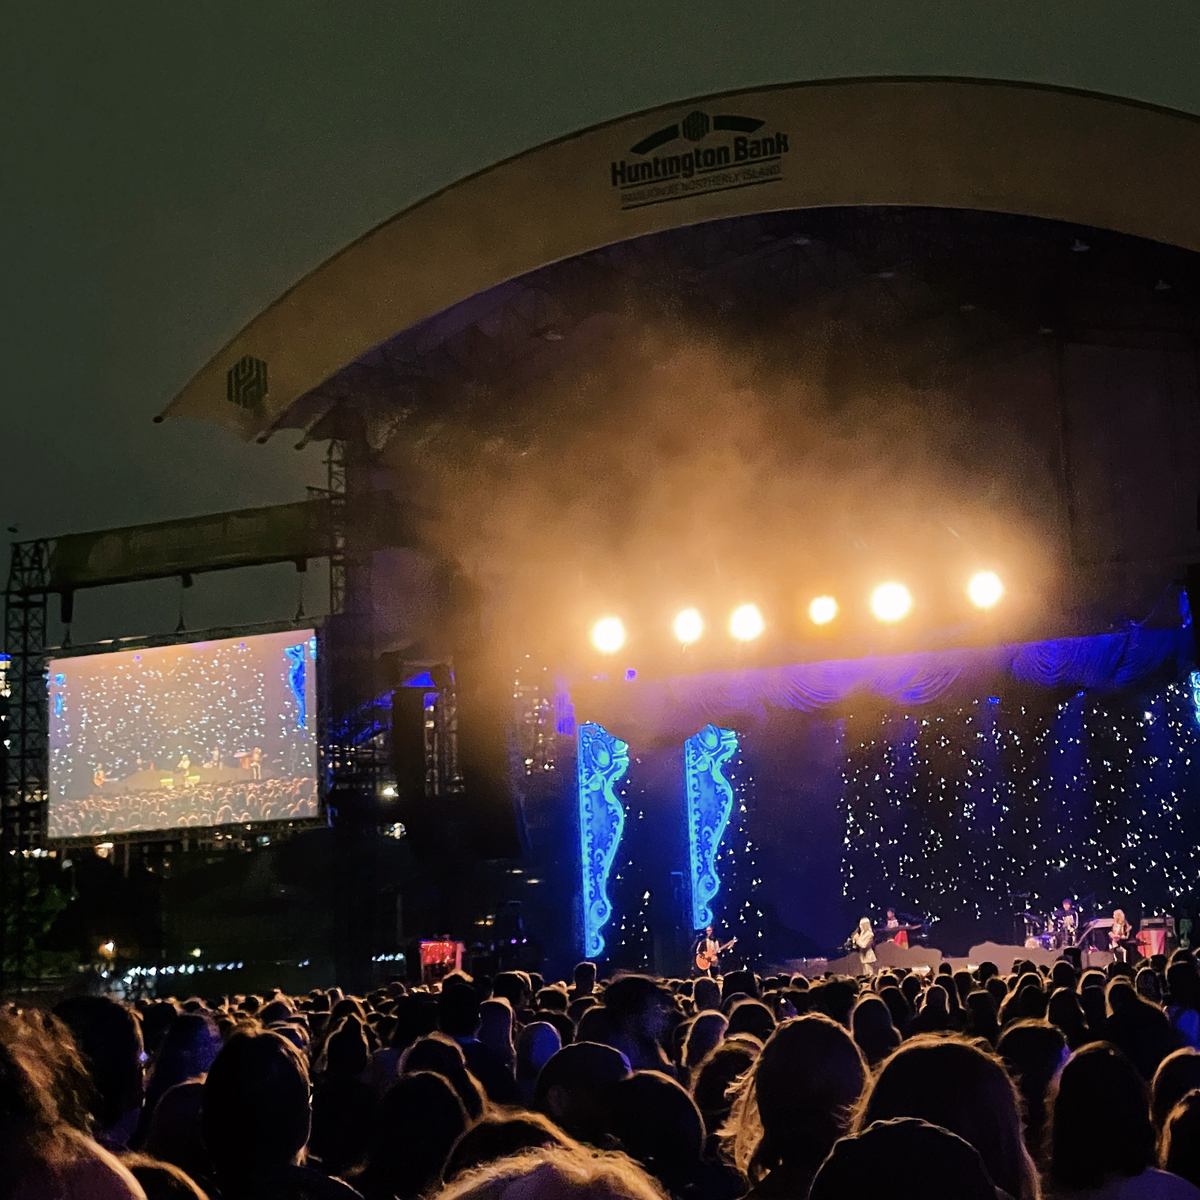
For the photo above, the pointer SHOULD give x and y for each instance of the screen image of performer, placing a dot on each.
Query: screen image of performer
(1120, 936)
(863, 940)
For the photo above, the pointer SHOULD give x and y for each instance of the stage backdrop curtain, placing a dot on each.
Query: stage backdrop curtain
(675, 707)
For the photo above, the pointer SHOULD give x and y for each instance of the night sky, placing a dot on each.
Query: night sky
(167, 172)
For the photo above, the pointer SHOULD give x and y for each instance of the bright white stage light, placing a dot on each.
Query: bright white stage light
(689, 625)
(985, 589)
(608, 635)
(891, 602)
(746, 623)
(822, 610)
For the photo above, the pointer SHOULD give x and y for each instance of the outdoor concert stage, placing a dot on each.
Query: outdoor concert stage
(961, 787)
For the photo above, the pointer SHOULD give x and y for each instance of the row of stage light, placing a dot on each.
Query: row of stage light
(889, 603)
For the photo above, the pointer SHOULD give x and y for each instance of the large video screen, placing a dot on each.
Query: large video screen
(203, 733)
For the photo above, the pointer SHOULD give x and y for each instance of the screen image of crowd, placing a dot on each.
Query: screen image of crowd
(971, 1084)
(183, 735)
(171, 808)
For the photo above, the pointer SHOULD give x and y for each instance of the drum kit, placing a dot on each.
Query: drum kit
(1051, 931)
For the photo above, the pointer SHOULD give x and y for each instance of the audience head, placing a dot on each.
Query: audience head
(1033, 1051)
(110, 1043)
(552, 1173)
(256, 1113)
(796, 1100)
(953, 1083)
(575, 1088)
(658, 1124)
(716, 1075)
(443, 1056)
(1099, 1120)
(1179, 1147)
(1177, 1075)
(500, 1135)
(704, 1034)
(751, 1016)
(920, 1159)
(873, 1029)
(416, 1124)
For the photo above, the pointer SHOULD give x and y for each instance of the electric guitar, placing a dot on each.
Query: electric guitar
(705, 962)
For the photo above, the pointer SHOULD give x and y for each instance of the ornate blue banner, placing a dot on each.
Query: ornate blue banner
(709, 805)
(602, 762)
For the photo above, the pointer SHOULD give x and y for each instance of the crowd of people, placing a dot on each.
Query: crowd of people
(1040, 1082)
(276, 799)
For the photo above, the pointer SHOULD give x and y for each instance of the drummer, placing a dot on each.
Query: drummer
(1066, 923)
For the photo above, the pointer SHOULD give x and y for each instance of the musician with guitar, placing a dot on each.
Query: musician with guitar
(709, 951)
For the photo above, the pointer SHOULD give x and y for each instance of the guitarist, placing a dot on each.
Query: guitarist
(708, 953)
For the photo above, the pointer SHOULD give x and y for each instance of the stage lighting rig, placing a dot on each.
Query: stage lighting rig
(746, 623)
(891, 602)
(822, 610)
(985, 589)
(689, 625)
(608, 635)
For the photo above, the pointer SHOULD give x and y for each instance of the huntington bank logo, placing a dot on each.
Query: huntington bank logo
(727, 152)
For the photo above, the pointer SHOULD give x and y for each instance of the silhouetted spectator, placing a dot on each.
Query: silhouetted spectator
(1179, 1147)
(1033, 1051)
(411, 1135)
(110, 1041)
(499, 1136)
(954, 1084)
(575, 1089)
(903, 1159)
(793, 1104)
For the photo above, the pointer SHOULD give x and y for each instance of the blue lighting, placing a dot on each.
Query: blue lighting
(58, 704)
(602, 762)
(1194, 682)
(423, 680)
(709, 805)
(59, 678)
(295, 656)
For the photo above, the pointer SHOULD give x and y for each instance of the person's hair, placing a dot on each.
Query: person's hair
(189, 1048)
(796, 1099)
(1099, 1120)
(256, 1104)
(585, 972)
(659, 1125)
(717, 1073)
(500, 1135)
(412, 1132)
(922, 1160)
(705, 1032)
(537, 1043)
(552, 1173)
(751, 1016)
(110, 1042)
(32, 1132)
(1032, 1051)
(1179, 1146)
(443, 1056)
(162, 1180)
(1177, 1075)
(960, 1086)
(873, 1028)
(458, 1010)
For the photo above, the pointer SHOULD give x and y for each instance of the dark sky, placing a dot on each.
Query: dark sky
(167, 170)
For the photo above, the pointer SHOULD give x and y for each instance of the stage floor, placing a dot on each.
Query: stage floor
(928, 958)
